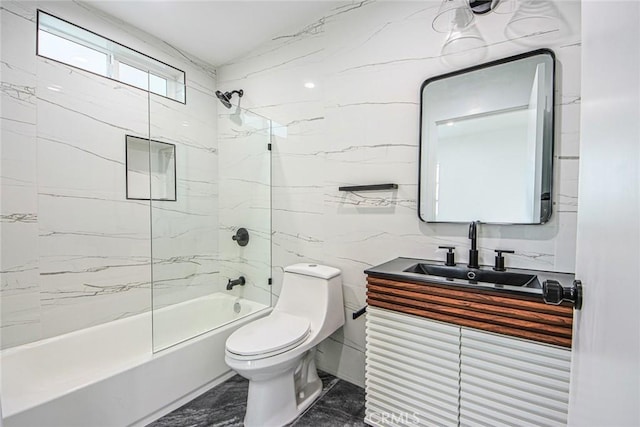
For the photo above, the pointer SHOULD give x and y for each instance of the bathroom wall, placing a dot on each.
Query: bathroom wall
(245, 200)
(75, 251)
(359, 125)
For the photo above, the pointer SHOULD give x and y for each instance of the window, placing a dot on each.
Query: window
(67, 43)
(74, 54)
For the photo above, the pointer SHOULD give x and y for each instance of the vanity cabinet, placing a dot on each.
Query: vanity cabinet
(438, 356)
(512, 382)
(412, 371)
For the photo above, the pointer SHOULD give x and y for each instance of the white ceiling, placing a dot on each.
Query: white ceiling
(216, 31)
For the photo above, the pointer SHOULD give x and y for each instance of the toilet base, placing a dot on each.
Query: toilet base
(278, 400)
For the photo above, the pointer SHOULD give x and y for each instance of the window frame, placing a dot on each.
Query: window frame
(119, 53)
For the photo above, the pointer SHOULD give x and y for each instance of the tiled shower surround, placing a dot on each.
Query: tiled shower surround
(75, 251)
(359, 125)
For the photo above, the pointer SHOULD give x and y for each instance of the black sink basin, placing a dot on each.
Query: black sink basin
(504, 278)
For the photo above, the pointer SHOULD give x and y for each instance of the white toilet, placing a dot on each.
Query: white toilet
(275, 353)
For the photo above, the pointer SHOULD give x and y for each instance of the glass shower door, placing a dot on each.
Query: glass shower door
(210, 176)
(244, 143)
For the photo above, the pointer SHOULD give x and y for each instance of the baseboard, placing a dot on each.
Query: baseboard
(340, 375)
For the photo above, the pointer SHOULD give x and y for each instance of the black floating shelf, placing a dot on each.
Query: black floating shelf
(369, 187)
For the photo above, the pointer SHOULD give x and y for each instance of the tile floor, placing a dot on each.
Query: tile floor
(340, 404)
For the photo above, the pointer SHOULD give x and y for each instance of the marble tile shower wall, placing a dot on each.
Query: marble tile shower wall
(359, 125)
(75, 251)
(245, 201)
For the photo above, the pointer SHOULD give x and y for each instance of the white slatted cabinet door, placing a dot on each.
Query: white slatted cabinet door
(512, 382)
(412, 370)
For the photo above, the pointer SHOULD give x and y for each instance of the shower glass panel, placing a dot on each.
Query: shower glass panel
(223, 182)
(244, 164)
(75, 250)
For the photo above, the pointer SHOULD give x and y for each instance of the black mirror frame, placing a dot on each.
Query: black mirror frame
(547, 192)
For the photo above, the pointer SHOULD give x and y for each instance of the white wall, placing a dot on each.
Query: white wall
(359, 125)
(605, 371)
(75, 252)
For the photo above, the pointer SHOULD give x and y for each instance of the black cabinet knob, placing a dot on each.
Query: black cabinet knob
(554, 293)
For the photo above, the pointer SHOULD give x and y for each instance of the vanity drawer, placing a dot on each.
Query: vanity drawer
(529, 318)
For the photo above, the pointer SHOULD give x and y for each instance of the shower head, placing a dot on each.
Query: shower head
(225, 97)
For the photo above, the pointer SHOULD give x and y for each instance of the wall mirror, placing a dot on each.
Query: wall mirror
(486, 142)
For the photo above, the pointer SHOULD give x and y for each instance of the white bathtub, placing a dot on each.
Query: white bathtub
(107, 375)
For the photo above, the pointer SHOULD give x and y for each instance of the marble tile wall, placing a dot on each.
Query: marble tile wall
(75, 251)
(359, 125)
(245, 201)
(19, 200)
(185, 232)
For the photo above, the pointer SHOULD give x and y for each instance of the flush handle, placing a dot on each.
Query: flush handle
(554, 293)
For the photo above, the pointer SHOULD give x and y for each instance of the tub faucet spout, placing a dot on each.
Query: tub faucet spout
(239, 281)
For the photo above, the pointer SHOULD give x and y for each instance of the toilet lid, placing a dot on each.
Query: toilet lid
(276, 332)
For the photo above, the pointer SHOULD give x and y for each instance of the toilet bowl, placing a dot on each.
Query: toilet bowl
(276, 353)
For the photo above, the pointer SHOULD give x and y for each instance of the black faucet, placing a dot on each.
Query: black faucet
(473, 252)
(239, 281)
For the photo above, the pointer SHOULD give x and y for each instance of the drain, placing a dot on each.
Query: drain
(237, 307)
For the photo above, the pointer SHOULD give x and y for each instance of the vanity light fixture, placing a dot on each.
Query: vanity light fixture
(464, 45)
(452, 14)
(459, 14)
(534, 17)
(456, 18)
(480, 7)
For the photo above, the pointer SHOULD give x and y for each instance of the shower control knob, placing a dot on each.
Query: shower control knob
(554, 293)
(241, 236)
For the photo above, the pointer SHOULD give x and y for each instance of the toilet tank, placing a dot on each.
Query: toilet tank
(313, 291)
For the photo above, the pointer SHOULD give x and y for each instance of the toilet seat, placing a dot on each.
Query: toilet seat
(268, 336)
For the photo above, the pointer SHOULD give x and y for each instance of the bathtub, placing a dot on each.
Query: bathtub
(107, 375)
